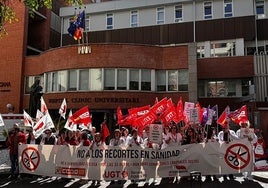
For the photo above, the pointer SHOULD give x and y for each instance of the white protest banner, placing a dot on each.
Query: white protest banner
(187, 107)
(194, 116)
(114, 163)
(156, 131)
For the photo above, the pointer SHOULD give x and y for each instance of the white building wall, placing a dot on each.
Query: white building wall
(147, 11)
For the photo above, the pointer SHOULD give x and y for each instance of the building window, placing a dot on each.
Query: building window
(62, 81)
(224, 88)
(160, 13)
(172, 80)
(222, 49)
(112, 79)
(200, 51)
(178, 13)
(122, 79)
(260, 8)
(54, 81)
(145, 80)
(217, 89)
(84, 79)
(134, 79)
(109, 21)
(134, 18)
(72, 80)
(95, 80)
(29, 81)
(109, 79)
(228, 8)
(87, 24)
(161, 80)
(183, 80)
(207, 10)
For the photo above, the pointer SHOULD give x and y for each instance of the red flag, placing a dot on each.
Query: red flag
(169, 114)
(139, 110)
(180, 110)
(104, 131)
(239, 115)
(146, 119)
(81, 116)
(223, 120)
(119, 115)
(78, 34)
(159, 107)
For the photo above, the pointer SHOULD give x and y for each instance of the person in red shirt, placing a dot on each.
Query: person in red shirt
(13, 142)
(84, 140)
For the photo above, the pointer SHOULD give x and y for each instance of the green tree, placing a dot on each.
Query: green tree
(8, 15)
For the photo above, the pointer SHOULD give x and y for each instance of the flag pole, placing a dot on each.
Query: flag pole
(58, 124)
(217, 117)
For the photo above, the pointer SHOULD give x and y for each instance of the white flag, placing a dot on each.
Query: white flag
(39, 115)
(43, 109)
(27, 119)
(69, 124)
(2, 123)
(63, 108)
(43, 124)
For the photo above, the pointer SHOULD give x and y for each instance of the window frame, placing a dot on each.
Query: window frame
(178, 8)
(260, 3)
(109, 16)
(160, 10)
(208, 4)
(226, 3)
(132, 14)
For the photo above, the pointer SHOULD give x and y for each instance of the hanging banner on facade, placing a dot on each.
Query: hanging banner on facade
(115, 163)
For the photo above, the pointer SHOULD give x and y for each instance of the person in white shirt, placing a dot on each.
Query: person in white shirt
(164, 137)
(246, 133)
(135, 140)
(117, 140)
(226, 136)
(125, 135)
(174, 137)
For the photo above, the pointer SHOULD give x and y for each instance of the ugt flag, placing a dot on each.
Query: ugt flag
(81, 116)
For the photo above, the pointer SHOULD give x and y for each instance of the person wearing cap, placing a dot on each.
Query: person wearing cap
(13, 142)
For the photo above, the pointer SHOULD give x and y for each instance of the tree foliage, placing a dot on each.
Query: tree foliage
(8, 15)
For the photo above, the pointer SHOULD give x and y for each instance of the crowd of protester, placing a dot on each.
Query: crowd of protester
(173, 135)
